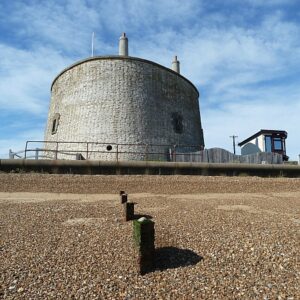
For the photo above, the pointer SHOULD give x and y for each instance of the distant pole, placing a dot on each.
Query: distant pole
(11, 154)
(233, 142)
(93, 36)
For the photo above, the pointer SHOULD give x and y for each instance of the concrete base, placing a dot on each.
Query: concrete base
(145, 168)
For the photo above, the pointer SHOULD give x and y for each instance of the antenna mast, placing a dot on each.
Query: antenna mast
(233, 142)
(93, 36)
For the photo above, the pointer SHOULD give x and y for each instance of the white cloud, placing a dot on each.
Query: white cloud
(146, 16)
(270, 2)
(64, 26)
(25, 78)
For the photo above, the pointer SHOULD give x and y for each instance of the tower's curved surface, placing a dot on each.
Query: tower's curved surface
(122, 100)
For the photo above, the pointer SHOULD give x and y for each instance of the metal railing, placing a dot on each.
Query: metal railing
(35, 155)
(110, 151)
(142, 152)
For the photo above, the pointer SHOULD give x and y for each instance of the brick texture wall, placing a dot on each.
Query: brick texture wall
(124, 101)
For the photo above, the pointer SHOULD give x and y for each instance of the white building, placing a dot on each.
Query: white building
(265, 141)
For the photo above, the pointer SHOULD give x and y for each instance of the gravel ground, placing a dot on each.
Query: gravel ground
(63, 237)
(82, 184)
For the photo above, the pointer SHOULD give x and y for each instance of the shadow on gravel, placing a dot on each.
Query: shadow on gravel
(172, 258)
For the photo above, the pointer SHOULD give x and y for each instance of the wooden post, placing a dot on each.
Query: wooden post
(144, 236)
(128, 211)
(123, 198)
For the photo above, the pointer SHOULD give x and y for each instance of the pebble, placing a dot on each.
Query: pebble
(216, 237)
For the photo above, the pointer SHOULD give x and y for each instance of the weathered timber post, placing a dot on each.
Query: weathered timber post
(123, 198)
(143, 235)
(128, 211)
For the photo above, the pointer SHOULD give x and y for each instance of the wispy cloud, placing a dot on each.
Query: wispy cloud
(25, 78)
(60, 25)
(270, 2)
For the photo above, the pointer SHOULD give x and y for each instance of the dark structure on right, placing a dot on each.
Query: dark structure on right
(265, 140)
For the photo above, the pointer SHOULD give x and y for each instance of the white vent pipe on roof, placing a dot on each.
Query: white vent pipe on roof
(123, 45)
(176, 65)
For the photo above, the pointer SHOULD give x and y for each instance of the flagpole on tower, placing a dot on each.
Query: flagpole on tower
(93, 36)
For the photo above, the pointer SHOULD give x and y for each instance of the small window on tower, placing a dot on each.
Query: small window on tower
(55, 123)
(177, 122)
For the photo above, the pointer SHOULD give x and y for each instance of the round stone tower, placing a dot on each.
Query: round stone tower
(121, 103)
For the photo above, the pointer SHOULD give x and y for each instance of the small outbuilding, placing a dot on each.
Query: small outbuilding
(265, 140)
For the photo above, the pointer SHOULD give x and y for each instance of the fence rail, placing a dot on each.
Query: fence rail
(142, 152)
(106, 151)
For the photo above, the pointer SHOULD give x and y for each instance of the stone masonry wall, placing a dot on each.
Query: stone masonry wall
(124, 101)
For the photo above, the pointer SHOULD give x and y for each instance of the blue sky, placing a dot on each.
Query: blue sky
(243, 56)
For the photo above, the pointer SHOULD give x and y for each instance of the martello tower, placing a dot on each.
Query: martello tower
(119, 99)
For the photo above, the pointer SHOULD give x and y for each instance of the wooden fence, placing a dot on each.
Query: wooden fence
(218, 155)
